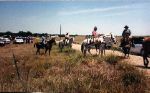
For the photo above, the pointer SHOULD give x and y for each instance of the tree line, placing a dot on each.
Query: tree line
(27, 33)
(21, 34)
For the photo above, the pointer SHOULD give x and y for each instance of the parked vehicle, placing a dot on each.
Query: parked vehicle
(7, 41)
(18, 40)
(137, 49)
(2, 43)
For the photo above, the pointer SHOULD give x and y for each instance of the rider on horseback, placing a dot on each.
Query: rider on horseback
(43, 41)
(66, 38)
(125, 34)
(94, 33)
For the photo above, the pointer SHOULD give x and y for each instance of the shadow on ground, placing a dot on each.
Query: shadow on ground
(143, 67)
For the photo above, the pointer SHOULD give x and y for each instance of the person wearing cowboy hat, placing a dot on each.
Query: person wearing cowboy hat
(126, 32)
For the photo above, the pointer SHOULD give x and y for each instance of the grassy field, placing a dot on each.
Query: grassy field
(67, 72)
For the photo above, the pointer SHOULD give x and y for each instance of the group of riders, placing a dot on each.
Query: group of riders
(44, 39)
(125, 34)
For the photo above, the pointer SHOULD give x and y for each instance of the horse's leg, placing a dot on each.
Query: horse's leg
(37, 51)
(145, 59)
(84, 52)
(61, 46)
(128, 51)
(96, 48)
(89, 49)
(70, 45)
(104, 50)
(82, 48)
(101, 52)
(100, 48)
(46, 50)
(49, 51)
(124, 51)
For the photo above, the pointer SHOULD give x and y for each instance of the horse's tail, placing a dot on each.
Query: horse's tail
(82, 47)
(34, 44)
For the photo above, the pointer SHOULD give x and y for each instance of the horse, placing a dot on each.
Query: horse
(146, 51)
(89, 42)
(47, 46)
(126, 44)
(64, 43)
(99, 43)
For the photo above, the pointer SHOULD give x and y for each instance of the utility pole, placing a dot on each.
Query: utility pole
(60, 31)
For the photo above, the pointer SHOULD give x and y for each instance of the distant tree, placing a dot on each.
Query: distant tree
(28, 33)
(1, 33)
(8, 33)
(21, 33)
(43, 34)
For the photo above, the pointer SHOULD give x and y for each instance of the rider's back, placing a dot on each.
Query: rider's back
(126, 31)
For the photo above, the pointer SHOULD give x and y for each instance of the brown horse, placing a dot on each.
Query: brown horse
(47, 46)
(146, 51)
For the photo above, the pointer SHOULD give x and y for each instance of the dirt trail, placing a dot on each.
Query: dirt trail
(134, 60)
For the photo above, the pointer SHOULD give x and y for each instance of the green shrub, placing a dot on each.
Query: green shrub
(111, 59)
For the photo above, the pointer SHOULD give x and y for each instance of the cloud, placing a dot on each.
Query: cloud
(117, 14)
(92, 10)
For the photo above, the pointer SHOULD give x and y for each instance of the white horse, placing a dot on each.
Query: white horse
(98, 42)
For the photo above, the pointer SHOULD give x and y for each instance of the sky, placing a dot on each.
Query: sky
(76, 16)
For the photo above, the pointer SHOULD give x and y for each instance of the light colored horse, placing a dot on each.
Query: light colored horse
(98, 43)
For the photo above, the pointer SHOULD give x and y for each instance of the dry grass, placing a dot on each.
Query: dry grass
(67, 72)
(79, 39)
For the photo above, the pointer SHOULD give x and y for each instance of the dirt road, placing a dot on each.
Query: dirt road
(134, 60)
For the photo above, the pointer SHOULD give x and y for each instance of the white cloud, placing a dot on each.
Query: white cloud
(117, 14)
(93, 10)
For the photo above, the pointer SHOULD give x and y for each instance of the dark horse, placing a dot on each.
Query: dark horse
(47, 46)
(146, 51)
(63, 43)
(126, 45)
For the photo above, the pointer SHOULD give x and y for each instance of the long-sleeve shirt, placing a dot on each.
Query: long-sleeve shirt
(126, 31)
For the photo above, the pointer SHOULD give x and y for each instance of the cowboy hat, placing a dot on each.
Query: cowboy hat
(126, 26)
